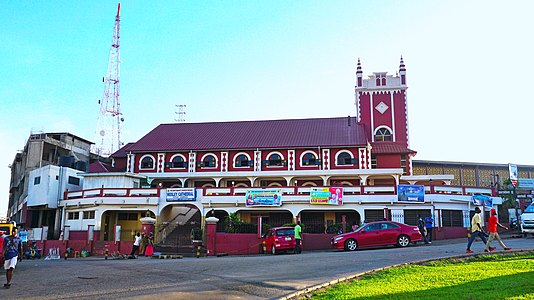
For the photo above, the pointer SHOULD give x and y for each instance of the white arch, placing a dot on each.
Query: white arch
(346, 183)
(216, 160)
(153, 162)
(344, 151)
(302, 156)
(383, 126)
(208, 185)
(241, 153)
(241, 185)
(183, 157)
(282, 158)
(274, 184)
(309, 183)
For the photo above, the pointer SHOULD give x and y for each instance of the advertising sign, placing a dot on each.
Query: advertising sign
(513, 174)
(411, 193)
(267, 197)
(181, 194)
(483, 200)
(526, 183)
(326, 195)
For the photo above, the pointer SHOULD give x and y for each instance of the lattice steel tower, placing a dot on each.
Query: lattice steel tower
(110, 118)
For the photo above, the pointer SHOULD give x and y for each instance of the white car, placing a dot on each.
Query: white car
(527, 220)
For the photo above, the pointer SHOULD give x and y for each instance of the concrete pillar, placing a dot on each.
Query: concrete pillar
(211, 225)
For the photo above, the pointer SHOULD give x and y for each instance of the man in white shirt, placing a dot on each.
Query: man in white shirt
(136, 245)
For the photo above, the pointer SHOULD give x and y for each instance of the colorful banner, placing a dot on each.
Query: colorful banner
(513, 174)
(326, 195)
(267, 197)
(411, 193)
(181, 194)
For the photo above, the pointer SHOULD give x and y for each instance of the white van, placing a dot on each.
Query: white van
(527, 220)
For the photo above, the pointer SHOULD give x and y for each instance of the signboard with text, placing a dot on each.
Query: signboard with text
(411, 193)
(326, 195)
(487, 201)
(181, 194)
(264, 197)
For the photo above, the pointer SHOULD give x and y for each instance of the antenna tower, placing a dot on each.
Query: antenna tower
(108, 131)
(181, 113)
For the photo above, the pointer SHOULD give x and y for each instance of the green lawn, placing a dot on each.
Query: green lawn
(484, 277)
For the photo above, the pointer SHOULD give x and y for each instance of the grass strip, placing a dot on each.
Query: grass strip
(482, 277)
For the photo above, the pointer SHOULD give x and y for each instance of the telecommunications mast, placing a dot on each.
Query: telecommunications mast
(108, 131)
(181, 113)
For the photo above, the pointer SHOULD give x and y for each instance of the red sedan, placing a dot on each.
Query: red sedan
(279, 239)
(380, 233)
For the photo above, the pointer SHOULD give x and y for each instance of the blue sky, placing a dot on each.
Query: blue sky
(468, 65)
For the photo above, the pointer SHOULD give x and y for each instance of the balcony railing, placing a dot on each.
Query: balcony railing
(291, 190)
(112, 192)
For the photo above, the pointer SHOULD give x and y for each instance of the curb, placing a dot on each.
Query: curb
(297, 294)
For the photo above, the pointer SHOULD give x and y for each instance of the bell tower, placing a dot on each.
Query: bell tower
(381, 105)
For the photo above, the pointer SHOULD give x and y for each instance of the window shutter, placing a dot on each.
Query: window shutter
(168, 164)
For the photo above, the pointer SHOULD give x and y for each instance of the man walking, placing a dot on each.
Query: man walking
(422, 228)
(493, 222)
(429, 223)
(11, 252)
(477, 230)
(136, 245)
(298, 231)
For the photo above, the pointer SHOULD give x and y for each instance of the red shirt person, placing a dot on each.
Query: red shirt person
(493, 222)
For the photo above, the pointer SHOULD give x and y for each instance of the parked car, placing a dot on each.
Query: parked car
(279, 239)
(380, 233)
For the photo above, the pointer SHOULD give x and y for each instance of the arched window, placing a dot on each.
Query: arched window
(383, 135)
(147, 162)
(242, 161)
(309, 159)
(344, 158)
(178, 162)
(274, 160)
(209, 161)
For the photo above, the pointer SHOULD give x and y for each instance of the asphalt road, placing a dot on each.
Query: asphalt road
(231, 277)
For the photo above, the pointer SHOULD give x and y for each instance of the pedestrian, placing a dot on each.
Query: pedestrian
(429, 223)
(149, 245)
(354, 226)
(136, 244)
(11, 252)
(493, 222)
(144, 243)
(477, 230)
(298, 231)
(422, 228)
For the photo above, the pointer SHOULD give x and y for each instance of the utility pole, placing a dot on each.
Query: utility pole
(181, 113)
(110, 118)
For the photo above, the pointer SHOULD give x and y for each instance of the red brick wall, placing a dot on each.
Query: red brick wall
(237, 243)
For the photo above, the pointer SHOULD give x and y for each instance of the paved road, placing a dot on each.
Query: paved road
(232, 277)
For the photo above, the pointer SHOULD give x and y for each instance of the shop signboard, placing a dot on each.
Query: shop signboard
(487, 201)
(411, 193)
(526, 183)
(326, 195)
(513, 174)
(181, 194)
(263, 197)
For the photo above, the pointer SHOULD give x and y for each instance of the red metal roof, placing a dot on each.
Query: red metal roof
(270, 134)
(100, 167)
(122, 151)
(389, 147)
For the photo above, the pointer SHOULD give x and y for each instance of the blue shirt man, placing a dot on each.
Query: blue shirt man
(429, 223)
(11, 252)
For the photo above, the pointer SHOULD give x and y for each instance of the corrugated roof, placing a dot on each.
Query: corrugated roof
(122, 151)
(99, 167)
(294, 133)
(389, 147)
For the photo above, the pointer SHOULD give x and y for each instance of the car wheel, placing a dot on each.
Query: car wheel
(351, 245)
(403, 241)
(273, 250)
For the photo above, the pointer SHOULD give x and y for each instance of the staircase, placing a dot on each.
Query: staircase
(174, 237)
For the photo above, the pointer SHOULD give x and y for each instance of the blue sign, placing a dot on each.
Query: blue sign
(526, 183)
(411, 193)
(23, 235)
(181, 194)
(482, 200)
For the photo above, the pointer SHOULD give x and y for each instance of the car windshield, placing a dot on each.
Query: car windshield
(282, 232)
(529, 209)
